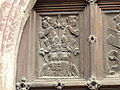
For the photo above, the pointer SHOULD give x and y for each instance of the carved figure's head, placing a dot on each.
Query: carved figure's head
(72, 21)
(47, 22)
(117, 21)
(118, 26)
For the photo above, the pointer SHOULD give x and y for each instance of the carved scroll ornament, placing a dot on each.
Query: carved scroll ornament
(59, 46)
(113, 39)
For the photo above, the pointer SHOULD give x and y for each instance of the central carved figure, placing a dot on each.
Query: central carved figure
(59, 47)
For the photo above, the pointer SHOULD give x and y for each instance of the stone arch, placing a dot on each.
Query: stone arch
(13, 15)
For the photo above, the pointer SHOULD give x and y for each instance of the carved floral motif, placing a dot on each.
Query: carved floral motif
(93, 84)
(92, 38)
(113, 39)
(59, 46)
(59, 85)
(23, 84)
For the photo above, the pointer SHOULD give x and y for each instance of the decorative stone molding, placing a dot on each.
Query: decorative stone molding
(23, 84)
(93, 84)
(91, 1)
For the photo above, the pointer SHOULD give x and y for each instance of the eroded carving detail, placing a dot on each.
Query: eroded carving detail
(23, 84)
(91, 1)
(113, 39)
(114, 57)
(59, 46)
(93, 84)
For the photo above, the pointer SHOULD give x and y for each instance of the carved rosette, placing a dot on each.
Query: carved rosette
(91, 1)
(92, 38)
(59, 85)
(113, 40)
(93, 84)
(23, 84)
(59, 46)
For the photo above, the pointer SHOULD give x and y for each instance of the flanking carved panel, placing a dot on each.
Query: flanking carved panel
(113, 39)
(59, 46)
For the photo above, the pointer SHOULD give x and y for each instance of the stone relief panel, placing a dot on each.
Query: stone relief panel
(113, 39)
(59, 46)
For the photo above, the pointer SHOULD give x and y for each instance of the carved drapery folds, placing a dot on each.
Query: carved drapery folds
(59, 47)
(113, 40)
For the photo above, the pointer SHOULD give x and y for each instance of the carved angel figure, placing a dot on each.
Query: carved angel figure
(113, 39)
(49, 33)
(70, 32)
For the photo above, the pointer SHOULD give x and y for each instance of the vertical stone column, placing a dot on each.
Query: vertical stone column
(13, 15)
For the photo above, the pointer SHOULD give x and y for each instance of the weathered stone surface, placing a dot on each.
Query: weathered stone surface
(13, 14)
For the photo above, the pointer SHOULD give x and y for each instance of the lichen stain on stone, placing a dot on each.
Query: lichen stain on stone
(4, 13)
(13, 24)
(10, 20)
(22, 2)
(10, 23)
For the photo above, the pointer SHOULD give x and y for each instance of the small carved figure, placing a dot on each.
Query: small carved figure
(72, 23)
(49, 33)
(117, 21)
(70, 32)
(113, 39)
(114, 58)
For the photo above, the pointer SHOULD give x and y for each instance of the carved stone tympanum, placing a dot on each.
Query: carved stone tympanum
(59, 46)
(113, 40)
